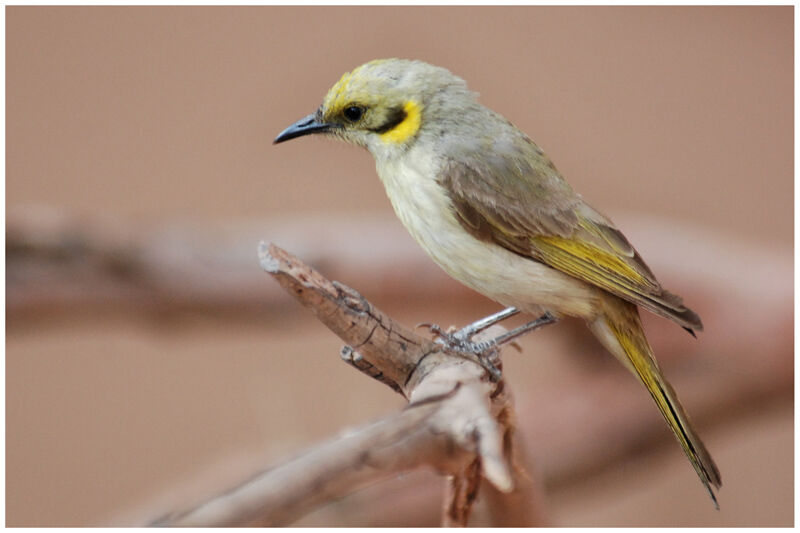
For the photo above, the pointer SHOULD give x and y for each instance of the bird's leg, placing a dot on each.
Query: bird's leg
(486, 351)
(469, 330)
(509, 336)
(505, 338)
(462, 338)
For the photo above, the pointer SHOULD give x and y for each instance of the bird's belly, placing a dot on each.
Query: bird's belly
(513, 280)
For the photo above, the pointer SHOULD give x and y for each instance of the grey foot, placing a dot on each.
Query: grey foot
(486, 352)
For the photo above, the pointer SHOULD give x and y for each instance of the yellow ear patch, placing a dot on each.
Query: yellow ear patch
(408, 127)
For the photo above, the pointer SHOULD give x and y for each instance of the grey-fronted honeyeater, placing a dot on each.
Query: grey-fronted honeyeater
(491, 209)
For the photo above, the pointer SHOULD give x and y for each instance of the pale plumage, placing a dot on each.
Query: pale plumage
(492, 210)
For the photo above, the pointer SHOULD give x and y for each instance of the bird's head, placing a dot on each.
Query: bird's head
(385, 105)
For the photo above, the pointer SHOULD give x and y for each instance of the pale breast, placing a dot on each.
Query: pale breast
(425, 210)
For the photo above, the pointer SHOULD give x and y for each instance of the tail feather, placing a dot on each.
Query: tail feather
(620, 331)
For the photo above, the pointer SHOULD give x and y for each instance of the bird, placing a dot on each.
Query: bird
(491, 209)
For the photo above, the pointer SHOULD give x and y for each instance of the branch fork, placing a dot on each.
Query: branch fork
(458, 420)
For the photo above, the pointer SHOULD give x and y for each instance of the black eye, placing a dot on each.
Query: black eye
(353, 113)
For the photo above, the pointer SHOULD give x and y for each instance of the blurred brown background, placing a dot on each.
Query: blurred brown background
(148, 360)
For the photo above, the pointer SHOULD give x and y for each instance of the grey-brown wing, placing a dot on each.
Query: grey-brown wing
(516, 199)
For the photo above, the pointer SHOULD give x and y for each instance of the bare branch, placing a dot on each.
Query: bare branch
(328, 471)
(460, 493)
(391, 348)
(357, 361)
(458, 421)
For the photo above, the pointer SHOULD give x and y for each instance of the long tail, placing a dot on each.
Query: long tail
(620, 331)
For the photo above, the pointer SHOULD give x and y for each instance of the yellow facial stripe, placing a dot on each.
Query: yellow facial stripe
(335, 97)
(408, 128)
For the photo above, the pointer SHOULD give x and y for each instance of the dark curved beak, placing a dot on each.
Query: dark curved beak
(304, 126)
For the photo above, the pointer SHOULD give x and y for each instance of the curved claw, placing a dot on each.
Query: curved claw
(516, 346)
(435, 329)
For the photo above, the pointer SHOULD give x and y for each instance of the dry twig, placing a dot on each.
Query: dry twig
(458, 421)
